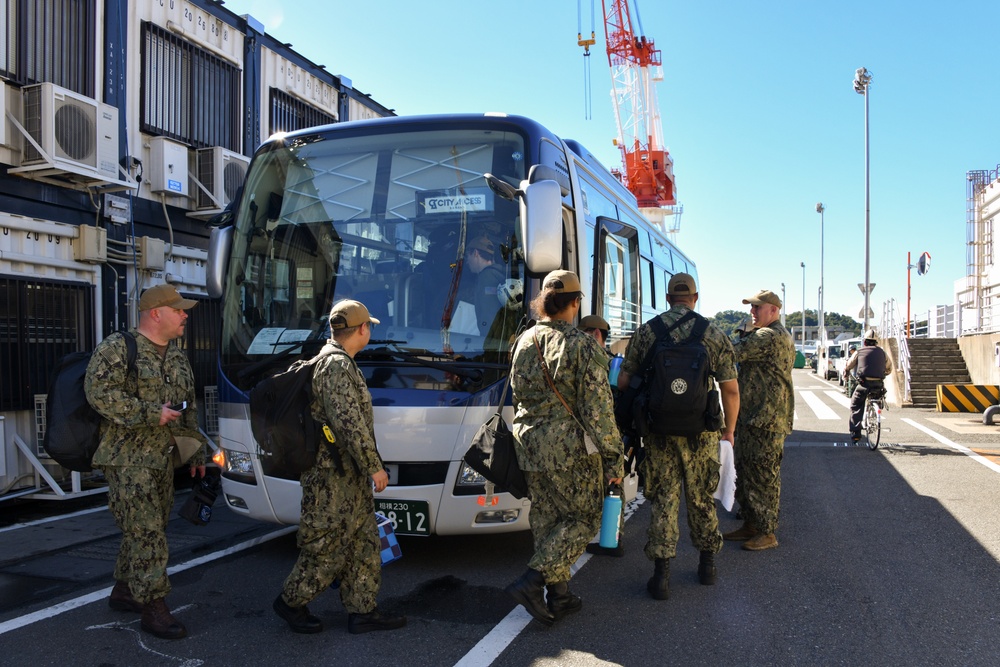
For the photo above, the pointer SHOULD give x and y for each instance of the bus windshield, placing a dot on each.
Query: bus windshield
(402, 221)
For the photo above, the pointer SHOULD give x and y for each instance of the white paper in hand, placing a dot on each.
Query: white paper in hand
(726, 491)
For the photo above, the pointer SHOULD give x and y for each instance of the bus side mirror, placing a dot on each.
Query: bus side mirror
(542, 225)
(220, 242)
(540, 205)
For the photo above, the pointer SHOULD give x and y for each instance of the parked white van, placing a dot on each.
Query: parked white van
(826, 365)
(847, 346)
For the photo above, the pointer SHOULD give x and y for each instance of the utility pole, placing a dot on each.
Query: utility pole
(803, 308)
(862, 82)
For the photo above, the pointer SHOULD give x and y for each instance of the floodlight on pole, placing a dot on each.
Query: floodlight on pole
(862, 82)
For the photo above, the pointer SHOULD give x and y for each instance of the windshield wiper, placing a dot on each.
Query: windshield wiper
(295, 347)
(473, 374)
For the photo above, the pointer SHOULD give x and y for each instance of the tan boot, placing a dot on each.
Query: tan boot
(741, 534)
(157, 621)
(121, 598)
(761, 542)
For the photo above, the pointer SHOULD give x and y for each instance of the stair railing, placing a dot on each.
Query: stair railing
(893, 327)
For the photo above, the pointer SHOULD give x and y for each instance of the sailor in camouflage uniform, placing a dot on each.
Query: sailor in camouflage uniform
(338, 533)
(765, 356)
(138, 442)
(567, 458)
(676, 461)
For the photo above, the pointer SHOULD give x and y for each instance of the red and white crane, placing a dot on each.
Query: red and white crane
(636, 66)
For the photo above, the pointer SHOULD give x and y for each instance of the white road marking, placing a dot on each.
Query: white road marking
(839, 397)
(954, 445)
(69, 605)
(819, 408)
(141, 639)
(970, 427)
(506, 631)
(59, 517)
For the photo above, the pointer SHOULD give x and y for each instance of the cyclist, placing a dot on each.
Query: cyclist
(873, 366)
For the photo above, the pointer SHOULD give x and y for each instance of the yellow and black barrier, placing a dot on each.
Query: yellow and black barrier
(966, 397)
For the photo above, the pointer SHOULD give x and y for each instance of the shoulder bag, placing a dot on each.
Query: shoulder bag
(492, 453)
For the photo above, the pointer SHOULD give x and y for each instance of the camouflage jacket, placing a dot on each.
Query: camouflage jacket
(547, 436)
(720, 349)
(766, 356)
(343, 402)
(131, 434)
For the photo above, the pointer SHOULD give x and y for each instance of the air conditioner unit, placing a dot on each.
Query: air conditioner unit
(221, 172)
(77, 135)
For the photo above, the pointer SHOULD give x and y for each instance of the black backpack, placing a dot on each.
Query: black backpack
(288, 437)
(72, 426)
(677, 397)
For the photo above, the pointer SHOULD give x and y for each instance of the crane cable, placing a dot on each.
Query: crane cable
(588, 105)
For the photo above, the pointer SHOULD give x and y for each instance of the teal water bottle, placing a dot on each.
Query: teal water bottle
(611, 517)
(614, 368)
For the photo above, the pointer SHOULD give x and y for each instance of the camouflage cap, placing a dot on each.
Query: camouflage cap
(595, 322)
(681, 284)
(764, 296)
(164, 296)
(348, 313)
(562, 282)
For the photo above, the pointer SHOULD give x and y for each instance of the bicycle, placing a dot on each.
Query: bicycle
(871, 420)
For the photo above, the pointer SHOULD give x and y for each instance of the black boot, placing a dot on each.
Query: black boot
(527, 590)
(598, 550)
(298, 618)
(374, 620)
(561, 601)
(659, 584)
(706, 568)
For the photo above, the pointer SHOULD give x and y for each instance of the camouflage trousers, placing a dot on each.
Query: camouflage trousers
(757, 455)
(140, 500)
(338, 539)
(673, 462)
(565, 515)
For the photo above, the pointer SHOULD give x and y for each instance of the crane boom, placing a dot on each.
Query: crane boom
(636, 65)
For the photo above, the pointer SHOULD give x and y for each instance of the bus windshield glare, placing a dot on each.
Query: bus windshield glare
(382, 219)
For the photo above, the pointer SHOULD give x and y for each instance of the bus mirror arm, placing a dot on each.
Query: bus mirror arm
(501, 188)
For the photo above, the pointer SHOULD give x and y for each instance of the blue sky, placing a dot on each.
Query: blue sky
(758, 112)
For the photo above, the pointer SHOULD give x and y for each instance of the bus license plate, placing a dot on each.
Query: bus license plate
(408, 517)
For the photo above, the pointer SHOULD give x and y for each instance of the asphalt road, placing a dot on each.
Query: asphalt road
(885, 558)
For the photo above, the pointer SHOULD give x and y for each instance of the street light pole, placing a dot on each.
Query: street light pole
(822, 321)
(803, 308)
(784, 307)
(862, 82)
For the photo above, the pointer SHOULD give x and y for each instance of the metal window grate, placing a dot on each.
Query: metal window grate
(289, 114)
(49, 40)
(188, 93)
(40, 322)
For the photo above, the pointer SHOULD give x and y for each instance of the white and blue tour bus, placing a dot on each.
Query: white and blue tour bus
(379, 211)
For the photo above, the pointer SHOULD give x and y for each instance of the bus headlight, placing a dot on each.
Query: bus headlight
(469, 477)
(239, 466)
